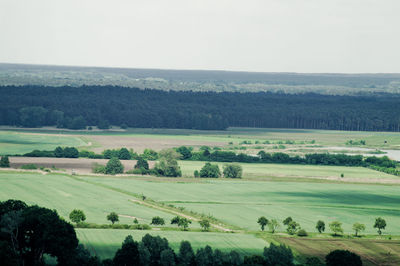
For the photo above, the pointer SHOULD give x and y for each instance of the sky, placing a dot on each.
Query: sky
(309, 36)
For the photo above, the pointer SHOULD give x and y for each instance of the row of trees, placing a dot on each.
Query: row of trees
(34, 106)
(292, 227)
(29, 233)
(213, 171)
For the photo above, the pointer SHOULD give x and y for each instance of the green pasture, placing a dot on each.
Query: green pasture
(240, 202)
(63, 193)
(260, 170)
(104, 242)
(20, 143)
(236, 135)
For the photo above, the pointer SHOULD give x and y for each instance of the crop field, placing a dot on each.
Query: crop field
(105, 242)
(63, 193)
(240, 202)
(20, 143)
(256, 171)
(372, 251)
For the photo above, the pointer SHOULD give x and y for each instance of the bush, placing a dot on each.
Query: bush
(142, 163)
(210, 170)
(302, 232)
(196, 173)
(114, 166)
(157, 221)
(343, 258)
(29, 166)
(233, 171)
(4, 162)
(98, 168)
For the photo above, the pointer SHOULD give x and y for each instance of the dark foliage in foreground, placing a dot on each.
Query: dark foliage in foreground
(35, 106)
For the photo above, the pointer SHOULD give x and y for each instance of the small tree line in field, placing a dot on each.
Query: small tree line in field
(293, 227)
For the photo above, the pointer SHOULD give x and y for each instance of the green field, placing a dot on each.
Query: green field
(20, 143)
(258, 170)
(104, 242)
(63, 193)
(240, 202)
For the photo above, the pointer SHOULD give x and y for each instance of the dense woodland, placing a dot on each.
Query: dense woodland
(79, 107)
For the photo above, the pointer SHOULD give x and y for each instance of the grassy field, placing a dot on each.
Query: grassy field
(105, 242)
(241, 202)
(63, 193)
(20, 143)
(372, 251)
(258, 171)
(163, 138)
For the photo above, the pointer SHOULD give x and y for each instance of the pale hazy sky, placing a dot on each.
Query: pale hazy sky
(251, 35)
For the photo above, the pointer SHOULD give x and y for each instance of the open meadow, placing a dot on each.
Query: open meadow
(307, 193)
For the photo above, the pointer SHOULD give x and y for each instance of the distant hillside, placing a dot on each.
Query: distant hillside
(200, 80)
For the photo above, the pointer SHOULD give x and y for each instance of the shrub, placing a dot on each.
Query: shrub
(98, 168)
(302, 232)
(210, 170)
(4, 162)
(114, 166)
(157, 221)
(30, 166)
(142, 163)
(233, 171)
(343, 258)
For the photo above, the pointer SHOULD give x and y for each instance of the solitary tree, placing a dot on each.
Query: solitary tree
(320, 226)
(157, 221)
(292, 227)
(233, 171)
(336, 227)
(273, 225)
(4, 162)
(114, 166)
(262, 221)
(380, 223)
(113, 217)
(205, 224)
(357, 227)
(184, 223)
(210, 170)
(77, 216)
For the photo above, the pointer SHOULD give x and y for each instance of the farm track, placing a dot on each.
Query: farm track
(219, 227)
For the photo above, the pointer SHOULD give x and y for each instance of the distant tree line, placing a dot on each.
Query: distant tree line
(102, 106)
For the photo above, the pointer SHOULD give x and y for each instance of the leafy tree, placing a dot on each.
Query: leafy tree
(150, 154)
(114, 166)
(205, 224)
(168, 164)
(175, 220)
(184, 223)
(113, 217)
(342, 258)
(320, 226)
(287, 220)
(142, 163)
(273, 225)
(128, 254)
(357, 227)
(233, 171)
(103, 124)
(124, 154)
(210, 170)
(380, 223)
(135, 221)
(196, 173)
(313, 261)
(278, 255)
(262, 221)
(292, 227)
(59, 152)
(254, 260)
(71, 152)
(186, 255)
(167, 257)
(336, 227)
(157, 221)
(155, 245)
(185, 152)
(33, 116)
(4, 162)
(77, 216)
